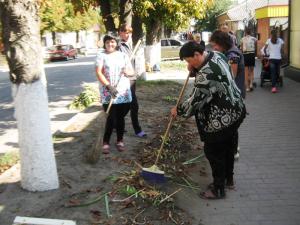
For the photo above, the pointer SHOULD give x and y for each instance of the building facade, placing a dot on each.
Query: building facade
(293, 70)
(261, 13)
(270, 17)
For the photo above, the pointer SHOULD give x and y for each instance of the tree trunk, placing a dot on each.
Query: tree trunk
(153, 48)
(53, 37)
(153, 28)
(167, 32)
(125, 12)
(108, 20)
(21, 36)
(137, 26)
(77, 36)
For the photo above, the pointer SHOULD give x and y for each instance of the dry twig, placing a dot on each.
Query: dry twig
(125, 199)
(169, 196)
(134, 219)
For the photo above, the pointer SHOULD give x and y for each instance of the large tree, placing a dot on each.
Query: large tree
(125, 15)
(108, 10)
(21, 37)
(53, 14)
(209, 21)
(173, 14)
(64, 15)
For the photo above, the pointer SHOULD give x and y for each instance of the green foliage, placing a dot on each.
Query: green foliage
(52, 14)
(209, 22)
(173, 13)
(63, 15)
(87, 97)
(83, 5)
(169, 98)
(7, 160)
(128, 190)
(112, 178)
(57, 138)
(76, 21)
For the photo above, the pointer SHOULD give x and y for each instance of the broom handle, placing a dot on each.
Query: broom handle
(171, 120)
(131, 56)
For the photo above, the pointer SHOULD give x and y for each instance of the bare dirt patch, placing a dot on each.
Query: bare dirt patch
(112, 191)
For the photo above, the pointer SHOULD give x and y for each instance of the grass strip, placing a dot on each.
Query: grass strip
(107, 206)
(87, 203)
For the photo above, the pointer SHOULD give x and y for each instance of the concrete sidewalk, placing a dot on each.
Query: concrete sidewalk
(60, 117)
(268, 172)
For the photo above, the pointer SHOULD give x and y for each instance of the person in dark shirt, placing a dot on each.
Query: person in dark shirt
(126, 47)
(225, 28)
(219, 109)
(222, 42)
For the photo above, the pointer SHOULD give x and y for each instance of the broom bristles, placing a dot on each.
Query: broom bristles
(153, 175)
(93, 154)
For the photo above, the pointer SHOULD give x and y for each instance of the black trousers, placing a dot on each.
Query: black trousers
(236, 143)
(275, 70)
(221, 158)
(134, 109)
(116, 118)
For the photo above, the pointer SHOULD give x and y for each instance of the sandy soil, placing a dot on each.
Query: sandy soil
(81, 182)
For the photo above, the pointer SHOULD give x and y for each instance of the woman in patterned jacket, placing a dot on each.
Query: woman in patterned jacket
(218, 107)
(221, 41)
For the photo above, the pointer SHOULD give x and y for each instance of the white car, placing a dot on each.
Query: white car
(170, 48)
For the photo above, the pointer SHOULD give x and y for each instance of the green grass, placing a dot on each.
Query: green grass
(128, 190)
(169, 98)
(87, 97)
(57, 138)
(156, 82)
(173, 65)
(7, 160)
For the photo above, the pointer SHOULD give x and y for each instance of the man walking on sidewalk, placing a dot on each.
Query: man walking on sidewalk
(125, 33)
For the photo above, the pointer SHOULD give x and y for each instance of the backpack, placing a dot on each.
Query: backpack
(248, 44)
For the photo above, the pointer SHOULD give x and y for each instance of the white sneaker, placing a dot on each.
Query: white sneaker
(237, 154)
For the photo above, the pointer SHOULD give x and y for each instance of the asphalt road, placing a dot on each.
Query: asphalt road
(64, 82)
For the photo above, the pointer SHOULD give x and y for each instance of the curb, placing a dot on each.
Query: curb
(7, 174)
(175, 75)
(78, 116)
(3, 69)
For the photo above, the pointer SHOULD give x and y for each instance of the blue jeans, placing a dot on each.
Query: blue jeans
(275, 70)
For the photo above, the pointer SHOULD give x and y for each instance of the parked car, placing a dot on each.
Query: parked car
(170, 48)
(65, 52)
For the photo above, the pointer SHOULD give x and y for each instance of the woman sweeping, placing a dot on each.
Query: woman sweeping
(218, 107)
(112, 69)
